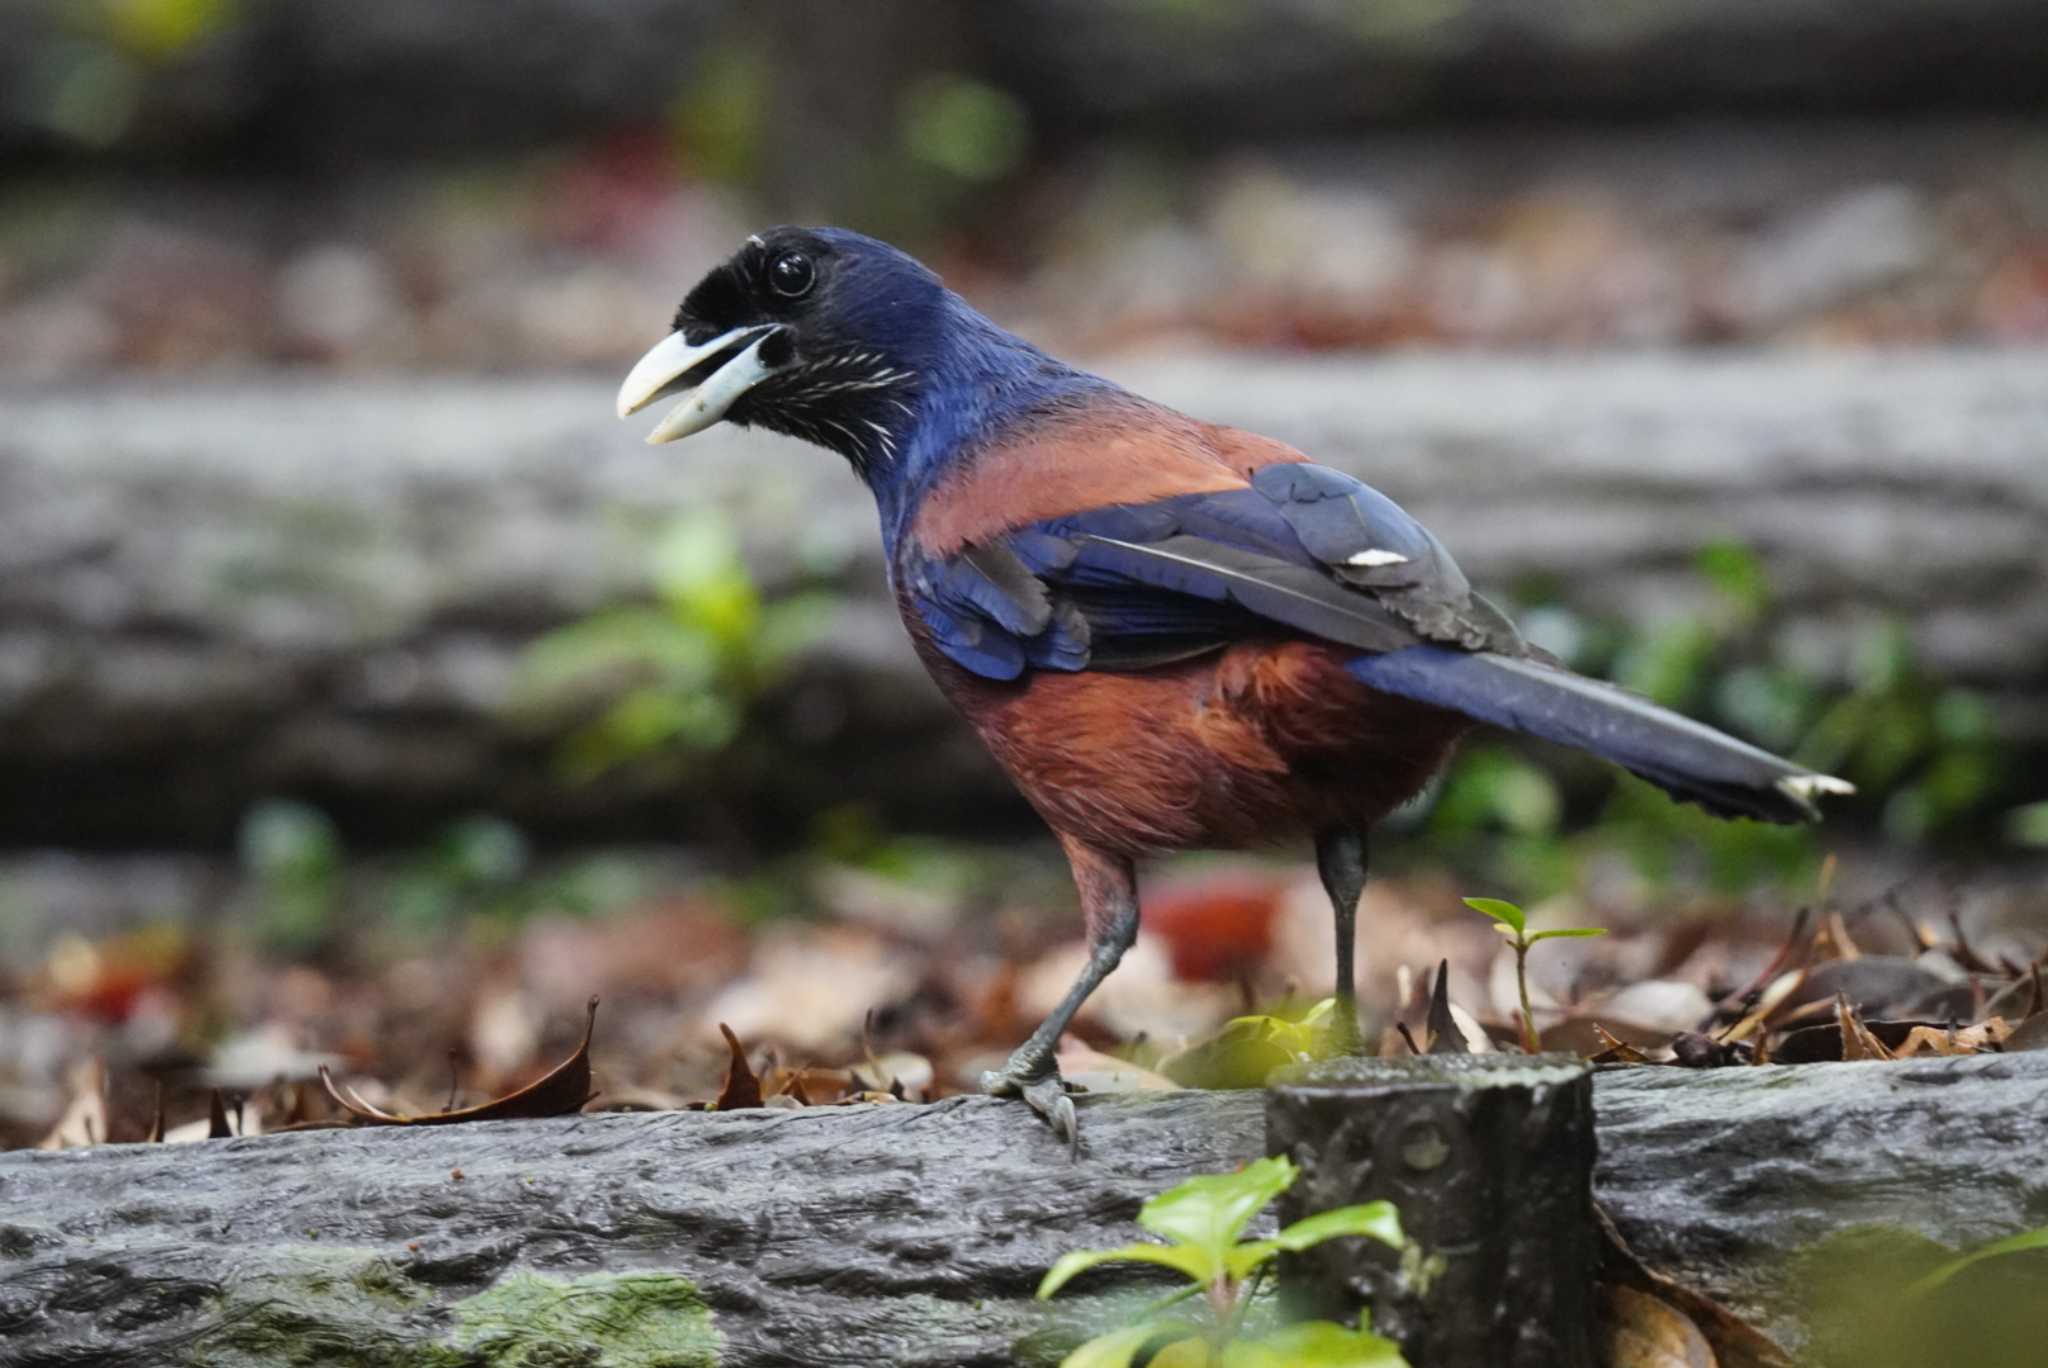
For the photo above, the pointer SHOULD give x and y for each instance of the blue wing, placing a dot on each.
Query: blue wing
(1303, 549)
(1310, 551)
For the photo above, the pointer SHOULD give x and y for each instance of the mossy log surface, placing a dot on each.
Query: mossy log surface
(909, 1235)
(226, 590)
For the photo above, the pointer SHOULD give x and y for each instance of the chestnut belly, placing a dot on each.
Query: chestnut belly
(1263, 741)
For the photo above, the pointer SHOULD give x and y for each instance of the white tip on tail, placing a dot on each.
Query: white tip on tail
(1375, 557)
(1805, 786)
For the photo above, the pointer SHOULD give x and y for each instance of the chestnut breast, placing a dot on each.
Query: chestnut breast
(1259, 742)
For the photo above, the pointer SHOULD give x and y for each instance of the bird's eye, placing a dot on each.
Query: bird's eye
(791, 275)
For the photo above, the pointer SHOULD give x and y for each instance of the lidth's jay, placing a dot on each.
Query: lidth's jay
(1171, 634)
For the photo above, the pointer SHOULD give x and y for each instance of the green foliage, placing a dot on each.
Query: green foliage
(1248, 1049)
(634, 1320)
(478, 862)
(331, 1307)
(1927, 750)
(1202, 1224)
(158, 30)
(1882, 1297)
(476, 874)
(1505, 913)
(672, 679)
(2028, 825)
(87, 86)
(293, 854)
(1513, 923)
(966, 127)
(720, 119)
(2025, 1241)
(1493, 787)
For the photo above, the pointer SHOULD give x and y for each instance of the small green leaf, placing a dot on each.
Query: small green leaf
(1374, 1220)
(1246, 1050)
(1314, 1344)
(1505, 912)
(1195, 1263)
(1117, 1348)
(2012, 1244)
(1207, 1214)
(1243, 1258)
(1192, 1352)
(1572, 931)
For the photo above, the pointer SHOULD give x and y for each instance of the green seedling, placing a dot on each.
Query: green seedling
(1510, 922)
(1201, 1223)
(2021, 1243)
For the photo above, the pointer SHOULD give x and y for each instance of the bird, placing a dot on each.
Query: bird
(1171, 634)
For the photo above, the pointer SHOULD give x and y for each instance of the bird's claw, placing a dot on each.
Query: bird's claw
(1044, 1091)
(1052, 1098)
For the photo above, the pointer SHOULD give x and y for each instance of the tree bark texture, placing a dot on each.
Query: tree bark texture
(214, 591)
(909, 1235)
(1489, 1158)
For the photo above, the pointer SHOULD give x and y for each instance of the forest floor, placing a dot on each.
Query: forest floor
(908, 972)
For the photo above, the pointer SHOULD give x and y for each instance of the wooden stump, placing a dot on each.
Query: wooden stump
(1490, 1161)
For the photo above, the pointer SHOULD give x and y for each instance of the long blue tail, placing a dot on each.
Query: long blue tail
(1685, 758)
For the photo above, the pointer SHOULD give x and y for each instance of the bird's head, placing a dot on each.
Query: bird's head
(818, 333)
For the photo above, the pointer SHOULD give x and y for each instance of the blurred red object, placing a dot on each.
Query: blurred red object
(1215, 928)
(105, 979)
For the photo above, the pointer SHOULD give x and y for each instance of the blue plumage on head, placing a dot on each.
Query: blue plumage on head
(874, 357)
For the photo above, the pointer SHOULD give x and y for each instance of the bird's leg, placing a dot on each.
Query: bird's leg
(1109, 898)
(1340, 859)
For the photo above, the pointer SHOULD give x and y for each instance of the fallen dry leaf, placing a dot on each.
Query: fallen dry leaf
(1735, 1342)
(1695, 1050)
(742, 1088)
(1102, 1073)
(1640, 1330)
(1613, 1049)
(217, 1127)
(1955, 1040)
(2031, 1034)
(1827, 1041)
(1857, 1041)
(1587, 1036)
(1885, 986)
(84, 1121)
(563, 1089)
(221, 1122)
(1445, 1037)
(1768, 1002)
(902, 1070)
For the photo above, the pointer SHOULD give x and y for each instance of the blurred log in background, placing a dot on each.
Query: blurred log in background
(222, 591)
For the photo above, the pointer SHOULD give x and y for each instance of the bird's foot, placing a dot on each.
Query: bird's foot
(1038, 1082)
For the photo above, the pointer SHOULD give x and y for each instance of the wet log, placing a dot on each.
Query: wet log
(910, 1235)
(214, 591)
